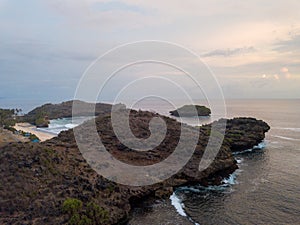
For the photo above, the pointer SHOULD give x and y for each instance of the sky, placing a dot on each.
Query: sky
(252, 47)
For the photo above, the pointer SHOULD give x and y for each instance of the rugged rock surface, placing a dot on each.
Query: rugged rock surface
(188, 111)
(245, 133)
(36, 179)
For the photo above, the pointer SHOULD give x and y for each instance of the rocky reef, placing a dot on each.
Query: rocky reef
(190, 111)
(51, 183)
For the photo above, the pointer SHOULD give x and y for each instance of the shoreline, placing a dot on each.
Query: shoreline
(27, 127)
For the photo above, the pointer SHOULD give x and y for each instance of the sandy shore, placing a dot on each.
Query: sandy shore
(26, 127)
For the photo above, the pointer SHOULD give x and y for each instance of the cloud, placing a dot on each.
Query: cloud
(117, 6)
(36, 50)
(292, 44)
(284, 70)
(106, 16)
(248, 41)
(230, 52)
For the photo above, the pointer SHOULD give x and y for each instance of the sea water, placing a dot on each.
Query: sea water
(266, 187)
(264, 190)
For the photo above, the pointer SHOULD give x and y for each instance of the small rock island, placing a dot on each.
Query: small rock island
(188, 111)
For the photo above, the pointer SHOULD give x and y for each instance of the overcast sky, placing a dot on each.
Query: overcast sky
(253, 47)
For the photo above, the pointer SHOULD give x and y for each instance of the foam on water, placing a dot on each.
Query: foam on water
(179, 206)
(177, 203)
(230, 180)
(62, 124)
(261, 145)
(71, 125)
(225, 187)
(239, 160)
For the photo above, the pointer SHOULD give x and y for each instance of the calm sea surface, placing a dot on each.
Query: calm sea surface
(266, 188)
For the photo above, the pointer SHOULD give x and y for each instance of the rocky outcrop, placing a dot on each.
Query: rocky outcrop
(189, 111)
(38, 180)
(42, 122)
(245, 133)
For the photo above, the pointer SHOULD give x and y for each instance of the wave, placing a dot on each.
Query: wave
(230, 180)
(296, 129)
(239, 160)
(179, 206)
(260, 146)
(71, 125)
(286, 138)
(177, 203)
(63, 124)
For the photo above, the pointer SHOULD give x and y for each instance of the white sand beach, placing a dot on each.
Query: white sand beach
(27, 127)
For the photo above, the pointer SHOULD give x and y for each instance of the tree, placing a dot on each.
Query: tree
(7, 117)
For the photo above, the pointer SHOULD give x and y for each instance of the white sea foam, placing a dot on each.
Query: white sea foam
(179, 206)
(71, 125)
(230, 180)
(261, 145)
(177, 203)
(239, 160)
(62, 124)
(226, 182)
(225, 187)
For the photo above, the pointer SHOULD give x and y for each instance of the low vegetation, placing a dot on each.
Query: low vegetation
(79, 214)
(8, 117)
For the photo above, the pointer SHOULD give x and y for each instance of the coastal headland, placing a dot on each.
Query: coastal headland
(41, 181)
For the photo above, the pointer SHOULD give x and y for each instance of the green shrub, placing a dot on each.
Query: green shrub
(97, 213)
(79, 214)
(72, 206)
(74, 220)
(7, 117)
(10, 128)
(85, 221)
(33, 137)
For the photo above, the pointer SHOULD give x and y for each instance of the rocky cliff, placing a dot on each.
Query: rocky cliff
(51, 183)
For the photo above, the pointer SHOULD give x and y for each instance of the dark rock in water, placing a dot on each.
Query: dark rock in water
(190, 111)
(40, 182)
(245, 133)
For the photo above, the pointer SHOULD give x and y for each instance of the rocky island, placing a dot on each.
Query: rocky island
(51, 183)
(189, 111)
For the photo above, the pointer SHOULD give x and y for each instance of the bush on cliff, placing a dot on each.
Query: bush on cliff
(79, 214)
(7, 117)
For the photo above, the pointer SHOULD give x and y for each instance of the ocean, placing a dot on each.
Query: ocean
(264, 190)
